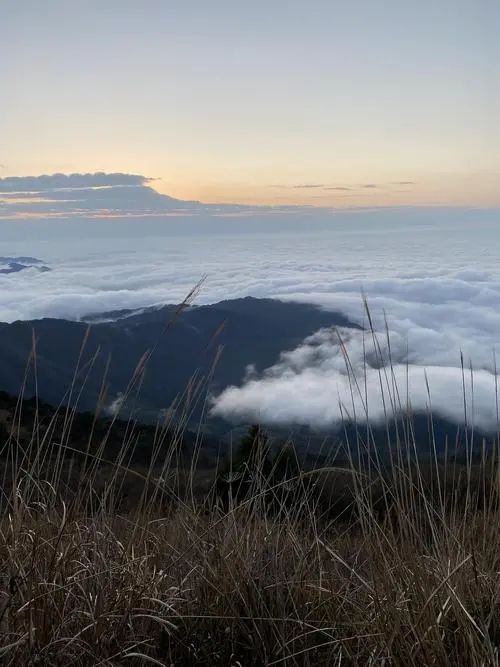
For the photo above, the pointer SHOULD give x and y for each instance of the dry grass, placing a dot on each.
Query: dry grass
(371, 564)
(404, 570)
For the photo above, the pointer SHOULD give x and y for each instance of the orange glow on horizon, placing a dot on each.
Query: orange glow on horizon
(444, 190)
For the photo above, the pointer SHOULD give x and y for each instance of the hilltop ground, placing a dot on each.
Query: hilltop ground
(263, 562)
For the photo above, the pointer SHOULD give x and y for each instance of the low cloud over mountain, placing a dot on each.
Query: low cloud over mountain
(425, 325)
(340, 376)
(17, 264)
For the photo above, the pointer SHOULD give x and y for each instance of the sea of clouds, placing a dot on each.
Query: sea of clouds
(433, 291)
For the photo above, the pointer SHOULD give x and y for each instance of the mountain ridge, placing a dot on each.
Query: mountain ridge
(185, 341)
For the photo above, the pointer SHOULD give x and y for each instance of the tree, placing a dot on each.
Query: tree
(253, 452)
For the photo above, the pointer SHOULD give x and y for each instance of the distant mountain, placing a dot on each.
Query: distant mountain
(16, 264)
(183, 345)
(243, 332)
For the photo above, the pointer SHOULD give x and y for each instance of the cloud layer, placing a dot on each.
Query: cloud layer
(431, 312)
(436, 280)
(335, 376)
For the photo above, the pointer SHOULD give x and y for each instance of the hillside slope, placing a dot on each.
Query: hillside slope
(250, 331)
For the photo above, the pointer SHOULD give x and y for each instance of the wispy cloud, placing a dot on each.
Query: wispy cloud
(54, 182)
(306, 186)
(342, 187)
(94, 195)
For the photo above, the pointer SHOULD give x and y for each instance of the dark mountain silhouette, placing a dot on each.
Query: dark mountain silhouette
(21, 419)
(183, 347)
(248, 331)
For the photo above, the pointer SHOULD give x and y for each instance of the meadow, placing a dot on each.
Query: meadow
(257, 556)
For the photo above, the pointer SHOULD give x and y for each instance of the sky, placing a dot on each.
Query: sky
(302, 151)
(324, 103)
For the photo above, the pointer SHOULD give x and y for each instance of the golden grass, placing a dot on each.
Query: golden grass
(371, 564)
(405, 576)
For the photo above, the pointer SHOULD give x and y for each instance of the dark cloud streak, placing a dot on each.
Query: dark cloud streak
(48, 183)
(306, 186)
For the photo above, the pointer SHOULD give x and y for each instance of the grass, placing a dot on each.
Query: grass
(364, 562)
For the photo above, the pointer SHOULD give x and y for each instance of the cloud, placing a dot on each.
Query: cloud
(54, 182)
(306, 186)
(115, 406)
(74, 195)
(111, 195)
(432, 316)
(363, 186)
(100, 195)
(315, 385)
(434, 274)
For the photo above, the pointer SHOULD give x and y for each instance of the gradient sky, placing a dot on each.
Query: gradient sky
(363, 102)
